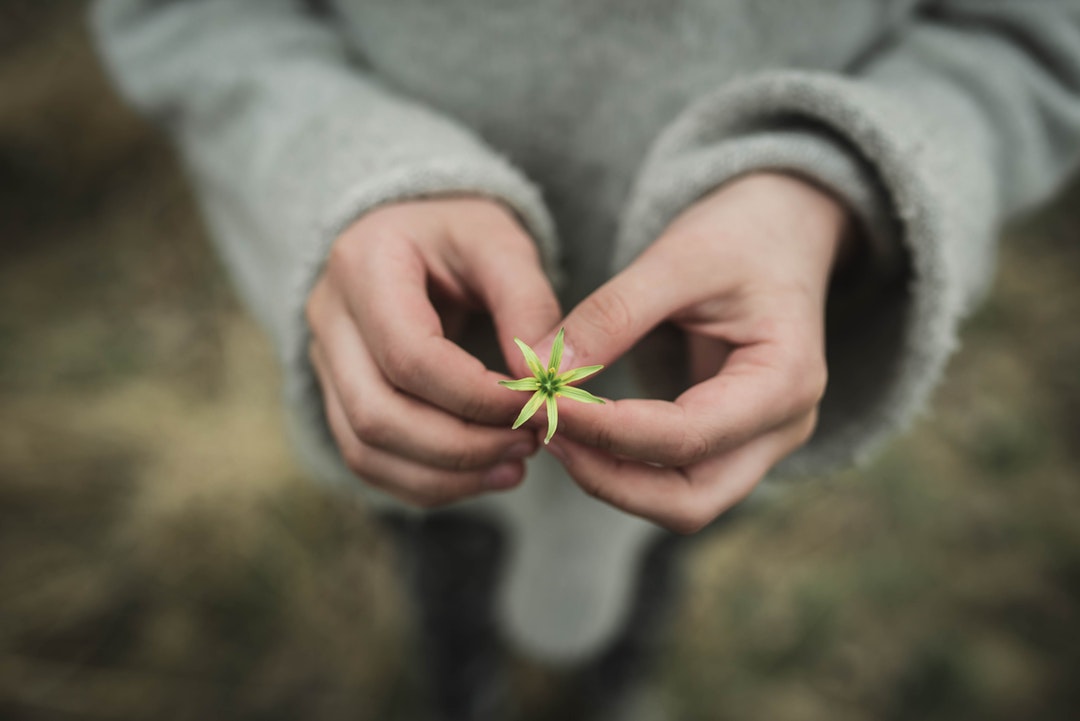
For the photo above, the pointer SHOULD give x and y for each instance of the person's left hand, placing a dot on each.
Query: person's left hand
(744, 273)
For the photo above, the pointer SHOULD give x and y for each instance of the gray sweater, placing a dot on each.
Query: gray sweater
(598, 121)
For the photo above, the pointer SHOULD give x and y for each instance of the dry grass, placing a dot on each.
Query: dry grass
(161, 556)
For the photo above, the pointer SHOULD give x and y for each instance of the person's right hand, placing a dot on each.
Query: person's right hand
(412, 413)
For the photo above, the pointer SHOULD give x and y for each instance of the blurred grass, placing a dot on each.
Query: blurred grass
(162, 557)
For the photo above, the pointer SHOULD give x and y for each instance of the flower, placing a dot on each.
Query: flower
(548, 384)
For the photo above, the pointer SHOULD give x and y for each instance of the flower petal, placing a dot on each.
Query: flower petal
(531, 358)
(556, 351)
(530, 409)
(553, 417)
(578, 374)
(578, 394)
(522, 384)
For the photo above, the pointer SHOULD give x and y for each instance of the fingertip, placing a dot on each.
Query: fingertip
(504, 476)
(543, 349)
(558, 450)
(520, 450)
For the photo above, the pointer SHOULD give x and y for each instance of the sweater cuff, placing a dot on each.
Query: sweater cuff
(667, 186)
(851, 139)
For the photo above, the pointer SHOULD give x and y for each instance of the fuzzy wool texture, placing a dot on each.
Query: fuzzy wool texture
(597, 123)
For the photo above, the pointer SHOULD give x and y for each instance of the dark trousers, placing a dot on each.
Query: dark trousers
(453, 563)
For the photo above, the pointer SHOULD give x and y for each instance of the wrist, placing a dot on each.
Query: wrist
(765, 226)
(799, 208)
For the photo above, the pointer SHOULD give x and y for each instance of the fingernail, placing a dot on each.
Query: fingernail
(516, 452)
(543, 349)
(502, 477)
(558, 451)
(569, 358)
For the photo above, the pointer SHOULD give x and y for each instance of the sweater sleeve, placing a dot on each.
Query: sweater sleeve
(967, 114)
(288, 140)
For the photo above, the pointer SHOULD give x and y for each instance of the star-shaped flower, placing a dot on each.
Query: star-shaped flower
(549, 384)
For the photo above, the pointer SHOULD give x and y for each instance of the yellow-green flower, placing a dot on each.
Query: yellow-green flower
(548, 384)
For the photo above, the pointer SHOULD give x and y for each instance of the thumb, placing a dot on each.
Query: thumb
(612, 319)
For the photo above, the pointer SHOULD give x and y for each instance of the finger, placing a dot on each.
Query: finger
(683, 500)
(408, 481)
(760, 388)
(384, 418)
(508, 277)
(392, 308)
(619, 313)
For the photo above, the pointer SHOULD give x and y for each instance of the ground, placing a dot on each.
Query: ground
(161, 555)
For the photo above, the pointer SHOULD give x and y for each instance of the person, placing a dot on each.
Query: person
(401, 188)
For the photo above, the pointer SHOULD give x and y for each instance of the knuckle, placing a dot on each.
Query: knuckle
(424, 497)
(693, 446)
(355, 459)
(609, 313)
(366, 424)
(474, 407)
(820, 380)
(433, 496)
(604, 491)
(806, 428)
(808, 373)
(596, 489)
(401, 365)
(602, 437)
(375, 224)
(426, 500)
(342, 256)
(804, 387)
(541, 309)
(802, 394)
(689, 521)
(593, 489)
(813, 380)
(499, 216)
(313, 307)
(311, 313)
(466, 459)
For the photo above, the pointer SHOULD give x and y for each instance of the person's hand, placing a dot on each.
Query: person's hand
(412, 413)
(744, 273)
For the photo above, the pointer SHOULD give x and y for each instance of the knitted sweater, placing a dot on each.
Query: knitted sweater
(597, 122)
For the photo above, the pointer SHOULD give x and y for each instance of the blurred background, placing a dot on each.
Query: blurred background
(161, 556)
